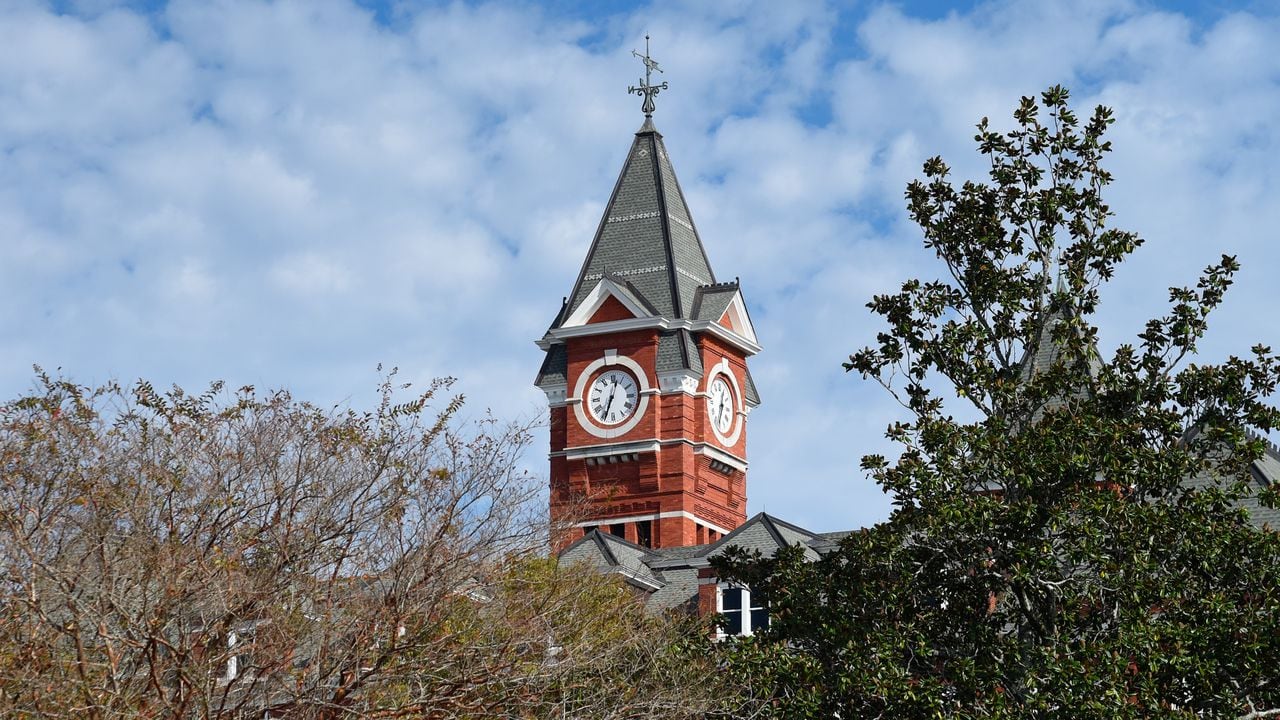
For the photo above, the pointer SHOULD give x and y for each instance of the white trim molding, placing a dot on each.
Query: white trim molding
(737, 312)
(604, 290)
(683, 381)
(611, 357)
(710, 327)
(716, 453)
(649, 445)
(595, 451)
(556, 394)
(654, 516)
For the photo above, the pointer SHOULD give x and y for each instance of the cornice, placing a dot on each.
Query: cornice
(646, 445)
(559, 335)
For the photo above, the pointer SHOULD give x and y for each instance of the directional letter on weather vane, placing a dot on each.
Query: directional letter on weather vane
(647, 89)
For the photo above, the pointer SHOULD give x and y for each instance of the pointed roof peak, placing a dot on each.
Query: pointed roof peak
(648, 128)
(647, 237)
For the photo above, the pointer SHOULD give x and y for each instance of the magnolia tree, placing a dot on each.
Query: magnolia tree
(229, 553)
(1078, 548)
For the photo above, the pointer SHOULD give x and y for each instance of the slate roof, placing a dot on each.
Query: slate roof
(647, 244)
(609, 553)
(647, 235)
(555, 367)
(710, 301)
(1047, 350)
(752, 395)
(674, 570)
(1263, 473)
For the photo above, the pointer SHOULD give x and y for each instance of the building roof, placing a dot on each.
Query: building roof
(648, 248)
(1264, 473)
(670, 575)
(647, 235)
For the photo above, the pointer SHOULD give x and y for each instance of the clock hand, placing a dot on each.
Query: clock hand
(613, 391)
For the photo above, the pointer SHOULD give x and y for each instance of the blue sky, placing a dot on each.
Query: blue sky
(288, 194)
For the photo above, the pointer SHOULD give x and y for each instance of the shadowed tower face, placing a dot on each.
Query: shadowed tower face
(646, 372)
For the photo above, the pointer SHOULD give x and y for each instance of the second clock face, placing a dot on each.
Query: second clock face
(720, 405)
(612, 397)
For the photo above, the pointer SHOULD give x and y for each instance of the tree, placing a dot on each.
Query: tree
(1077, 548)
(228, 554)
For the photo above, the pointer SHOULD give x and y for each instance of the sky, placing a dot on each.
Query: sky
(288, 194)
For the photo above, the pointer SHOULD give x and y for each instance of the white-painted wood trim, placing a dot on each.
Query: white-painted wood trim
(603, 290)
(655, 516)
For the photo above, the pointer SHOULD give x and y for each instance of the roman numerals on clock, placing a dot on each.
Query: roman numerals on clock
(613, 396)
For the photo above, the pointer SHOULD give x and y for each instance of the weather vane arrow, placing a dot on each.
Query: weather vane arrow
(646, 88)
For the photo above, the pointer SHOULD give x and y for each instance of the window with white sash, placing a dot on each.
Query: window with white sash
(744, 613)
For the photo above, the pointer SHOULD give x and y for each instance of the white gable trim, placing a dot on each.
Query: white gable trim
(603, 290)
(560, 334)
(737, 312)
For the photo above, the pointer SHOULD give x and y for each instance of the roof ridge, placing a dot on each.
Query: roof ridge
(611, 538)
(598, 538)
(647, 234)
(791, 526)
(664, 226)
(773, 530)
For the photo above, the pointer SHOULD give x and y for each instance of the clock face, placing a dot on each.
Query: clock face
(720, 405)
(612, 397)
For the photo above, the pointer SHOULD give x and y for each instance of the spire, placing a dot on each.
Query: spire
(647, 236)
(646, 87)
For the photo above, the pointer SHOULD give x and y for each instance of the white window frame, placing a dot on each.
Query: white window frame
(747, 607)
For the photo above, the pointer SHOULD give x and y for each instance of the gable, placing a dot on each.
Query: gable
(610, 309)
(597, 308)
(727, 320)
(735, 318)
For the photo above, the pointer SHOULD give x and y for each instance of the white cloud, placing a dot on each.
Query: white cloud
(288, 193)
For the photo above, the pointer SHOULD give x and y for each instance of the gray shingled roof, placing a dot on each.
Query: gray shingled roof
(609, 553)
(555, 367)
(647, 235)
(710, 301)
(752, 395)
(680, 590)
(1046, 350)
(1264, 473)
(675, 570)
(677, 351)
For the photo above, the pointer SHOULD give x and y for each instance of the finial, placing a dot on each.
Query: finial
(646, 88)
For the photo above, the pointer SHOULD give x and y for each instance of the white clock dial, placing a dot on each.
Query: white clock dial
(612, 397)
(720, 405)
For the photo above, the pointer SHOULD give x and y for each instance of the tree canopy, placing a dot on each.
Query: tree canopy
(227, 554)
(1071, 544)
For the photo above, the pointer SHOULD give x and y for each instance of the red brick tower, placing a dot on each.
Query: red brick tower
(646, 374)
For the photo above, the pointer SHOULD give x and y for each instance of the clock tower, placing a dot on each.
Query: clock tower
(646, 371)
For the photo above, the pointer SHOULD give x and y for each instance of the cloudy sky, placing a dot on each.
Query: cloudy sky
(288, 193)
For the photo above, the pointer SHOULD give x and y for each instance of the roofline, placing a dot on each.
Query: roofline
(664, 224)
(559, 335)
(604, 219)
(692, 225)
(771, 524)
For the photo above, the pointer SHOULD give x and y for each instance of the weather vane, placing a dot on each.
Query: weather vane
(646, 88)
